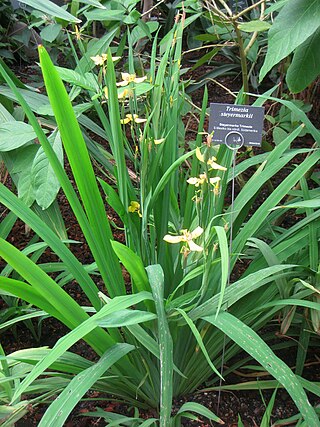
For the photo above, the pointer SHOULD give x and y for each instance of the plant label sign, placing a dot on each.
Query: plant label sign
(236, 125)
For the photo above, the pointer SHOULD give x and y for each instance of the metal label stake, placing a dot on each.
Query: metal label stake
(233, 140)
(234, 126)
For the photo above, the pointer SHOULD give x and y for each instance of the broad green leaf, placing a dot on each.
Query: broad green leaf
(5, 116)
(276, 6)
(305, 66)
(50, 8)
(14, 134)
(44, 180)
(21, 159)
(296, 22)
(35, 100)
(139, 31)
(59, 410)
(50, 32)
(104, 15)
(95, 3)
(86, 81)
(25, 188)
(256, 25)
(250, 341)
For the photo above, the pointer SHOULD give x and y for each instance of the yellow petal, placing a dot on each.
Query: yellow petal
(139, 120)
(172, 239)
(193, 181)
(214, 180)
(140, 79)
(124, 93)
(128, 77)
(122, 84)
(125, 121)
(199, 155)
(196, 232)
(193, 247)
(98, 60)
(159, 141)
(215, 165)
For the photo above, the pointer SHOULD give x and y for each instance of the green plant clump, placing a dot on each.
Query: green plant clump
(179, 319)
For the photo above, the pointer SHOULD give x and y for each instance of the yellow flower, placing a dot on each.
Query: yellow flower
(202, 179)
(101, 59)
(123, 94)
(134, 207)
(130, 78)
(186, 237)
(211, 162)
(132, 118)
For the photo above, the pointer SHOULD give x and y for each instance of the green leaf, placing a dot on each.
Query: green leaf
(313, 203)
(256, 25)
(50, 8)
(14, 134)
(50, 32)
(21, 159)
(198, 337)
(133, 264)
(95, 3)
(86, 81)
(199, 409)
(59, 410)
(296, 22)
(25, 188)
(104, 15)
(250, 341)
(156, 279)
(116, 304)
(44, 180)
(84, 175)
(114, 201)
(126, 318)
(265, 422)
(305, 66)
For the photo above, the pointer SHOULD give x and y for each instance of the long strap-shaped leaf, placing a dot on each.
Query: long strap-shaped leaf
(156, 280)
(74, 266)
(60, 172)
(48, 295)
(247, 339)
(116, 304)
(82, 170)
(59, 410)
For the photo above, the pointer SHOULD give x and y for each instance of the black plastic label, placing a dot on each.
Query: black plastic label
(236, 125)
